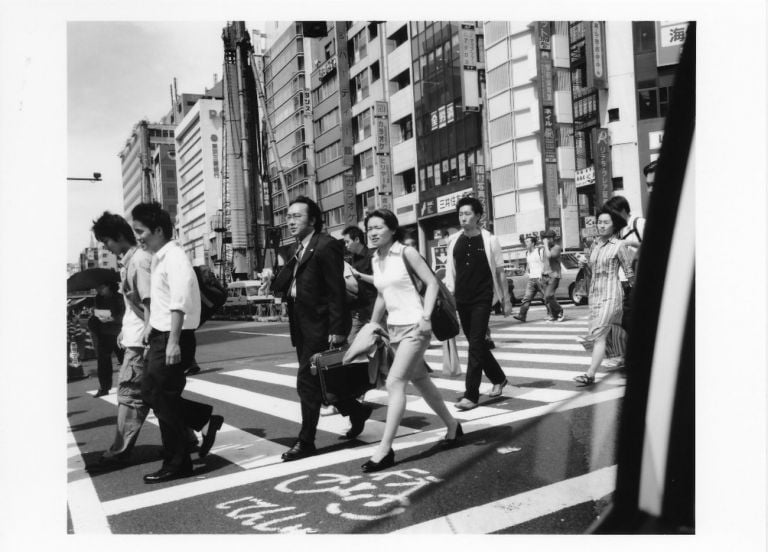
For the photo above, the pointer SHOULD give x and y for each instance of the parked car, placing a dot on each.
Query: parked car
(566, 290)
(244, 292)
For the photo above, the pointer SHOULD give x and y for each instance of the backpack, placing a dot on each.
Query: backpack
(213, 294)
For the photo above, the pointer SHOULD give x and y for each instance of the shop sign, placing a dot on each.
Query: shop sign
(468, 46)
(385, 176)
(547, 87)
(670, 37)
(654, 139)
(554, 225)
(545, 35)
(479, 186)
(327, 68)
(382, 135)
(428, 208)
(585, 177)
(550, 185)
(381, 109)
(350, 208)
(439, 257)
(470, 93)
(550, 147)
(590, 226)
(442, 204)
(597, 75)
(345, 100)
(603, 182)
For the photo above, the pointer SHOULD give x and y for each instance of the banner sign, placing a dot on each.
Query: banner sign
(345, 100)
(545, 36)
(597, 74)
(550, 185)
(441, 204)
(585, 177)
(350, 208)
(480, 188)
(470, 93)
(603, 182)
(550, 145)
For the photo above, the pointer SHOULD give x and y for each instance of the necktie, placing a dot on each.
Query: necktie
(299, 251)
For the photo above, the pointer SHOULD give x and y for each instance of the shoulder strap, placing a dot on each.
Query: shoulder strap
(420, 289)
(634, 228)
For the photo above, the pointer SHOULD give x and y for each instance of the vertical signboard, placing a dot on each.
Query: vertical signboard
(383, 162)
(597, 74)
(603, 182)
(350, 209)
(470, 92)
(670, 37)
(480, 188)
(345, 100)
(549, 140)
(550, 145)
(551, 189)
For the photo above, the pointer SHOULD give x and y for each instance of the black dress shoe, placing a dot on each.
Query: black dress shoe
(387, 462)
(298, 451)
(358, 422)
(101, 393)
(214, 425)
(448, 443)
(168, 474)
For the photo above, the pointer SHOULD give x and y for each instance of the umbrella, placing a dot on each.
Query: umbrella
(90, 278)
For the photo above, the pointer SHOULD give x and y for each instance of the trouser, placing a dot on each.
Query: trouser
(106, 345)
(547, 287)
(358, 321)
(474, 321)
(161, 389)
(131, 409)
(310, 395)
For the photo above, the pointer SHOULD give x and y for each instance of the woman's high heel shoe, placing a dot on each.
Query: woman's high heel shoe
(450, 442)
(387, 462)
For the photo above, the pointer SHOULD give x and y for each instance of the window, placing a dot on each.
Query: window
(373, 30)
(644, 34)
(331, 185)
(357, 47)
(436, 172)
(647, 104)
(365, 203)
(618, 183)
(324, 90)
(364, 165)
(327, 122)
(401, 80)
(375, 72)
(409, 181)
(359, 87)
(404, 129)
(334, 217)
(400, 36)
(613, 114)
(328, 154)
(361, 126)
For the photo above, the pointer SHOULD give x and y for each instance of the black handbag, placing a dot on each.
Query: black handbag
(444, 319)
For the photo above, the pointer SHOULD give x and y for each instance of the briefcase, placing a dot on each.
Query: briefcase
(339, 381)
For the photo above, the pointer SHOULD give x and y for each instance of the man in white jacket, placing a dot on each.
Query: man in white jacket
(474, 273)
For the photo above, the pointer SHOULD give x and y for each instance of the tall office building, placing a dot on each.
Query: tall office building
(198, 163)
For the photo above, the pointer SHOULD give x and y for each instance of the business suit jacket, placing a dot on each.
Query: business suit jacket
(319, 308)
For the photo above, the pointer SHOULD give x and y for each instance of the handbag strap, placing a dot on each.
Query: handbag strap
(421, 290)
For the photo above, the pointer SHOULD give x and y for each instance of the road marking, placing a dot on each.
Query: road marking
(538, 373)
(524, 357)
(260, 333)
(514, 510)
(500, 344)
(511, 391)
(421, 438)
(496, 336)
(232, 444)
(525, 328)
(283, 408)
(87, 513)
(414, 402)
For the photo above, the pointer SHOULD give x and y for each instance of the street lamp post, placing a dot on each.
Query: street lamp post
(95, 178)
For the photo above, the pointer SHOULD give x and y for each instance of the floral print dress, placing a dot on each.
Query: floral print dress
(606, 295)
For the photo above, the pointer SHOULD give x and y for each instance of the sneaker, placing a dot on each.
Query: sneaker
(465, 404)
(550, 319)
(561, 316)
(518, 317)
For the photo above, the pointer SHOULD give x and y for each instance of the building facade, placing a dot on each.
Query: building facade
(198, 165)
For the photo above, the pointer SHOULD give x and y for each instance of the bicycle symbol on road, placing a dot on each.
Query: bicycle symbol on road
(361, 498)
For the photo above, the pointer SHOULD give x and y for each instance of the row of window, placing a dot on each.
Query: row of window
(325, 89)
(357, 45)
(327, 122)
(358, 85)
(328, 154)
(449, 170)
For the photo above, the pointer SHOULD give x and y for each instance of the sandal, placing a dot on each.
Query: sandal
(584, 380)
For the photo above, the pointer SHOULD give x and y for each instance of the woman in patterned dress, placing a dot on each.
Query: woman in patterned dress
(606, 337)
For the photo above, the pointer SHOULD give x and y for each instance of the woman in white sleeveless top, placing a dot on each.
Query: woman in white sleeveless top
(409, 328)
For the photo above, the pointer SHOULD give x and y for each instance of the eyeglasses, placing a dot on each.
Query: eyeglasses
(292, 217)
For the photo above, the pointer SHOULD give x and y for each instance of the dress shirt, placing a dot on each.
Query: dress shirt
(174, 287)
(299, 254)
(135, 278)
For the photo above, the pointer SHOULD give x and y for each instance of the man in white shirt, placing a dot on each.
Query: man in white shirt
(174, 316)
(534, 266)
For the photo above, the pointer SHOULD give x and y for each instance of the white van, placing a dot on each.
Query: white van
(242, 292)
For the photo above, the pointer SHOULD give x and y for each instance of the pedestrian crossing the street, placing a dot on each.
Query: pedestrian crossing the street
(262, 412)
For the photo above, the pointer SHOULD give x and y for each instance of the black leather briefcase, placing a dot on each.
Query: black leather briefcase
(339, 381)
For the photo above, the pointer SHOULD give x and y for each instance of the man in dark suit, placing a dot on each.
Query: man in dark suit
(313, 284)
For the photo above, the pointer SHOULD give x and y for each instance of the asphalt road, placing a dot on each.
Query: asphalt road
(538, 460)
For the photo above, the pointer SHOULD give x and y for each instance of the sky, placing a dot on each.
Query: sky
(117, 74)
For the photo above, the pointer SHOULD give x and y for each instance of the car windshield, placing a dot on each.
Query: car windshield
(252, 290)
(569, 260)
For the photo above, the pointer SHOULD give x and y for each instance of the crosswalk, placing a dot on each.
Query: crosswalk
(539, 359)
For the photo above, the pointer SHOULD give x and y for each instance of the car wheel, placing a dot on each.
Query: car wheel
(577, 298)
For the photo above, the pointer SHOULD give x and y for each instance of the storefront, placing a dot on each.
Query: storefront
(437, 220)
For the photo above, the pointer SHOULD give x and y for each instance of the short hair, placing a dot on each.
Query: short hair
(390, 220)
(473, 202)
(533, 237)
(650, 167)
(112, 226)
(617, 220)
(153, 216)
(618, 203)
(410, 234)
(313, 211)
(354, 233)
